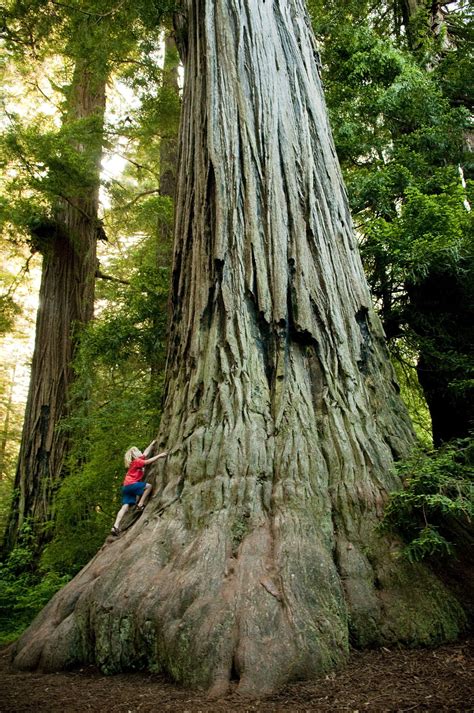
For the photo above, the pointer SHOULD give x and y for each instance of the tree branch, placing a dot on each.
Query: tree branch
(137, 198)
(85, 12)
(103, 276)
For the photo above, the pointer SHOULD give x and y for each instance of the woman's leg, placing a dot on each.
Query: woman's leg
(145, 496)
(120, 515)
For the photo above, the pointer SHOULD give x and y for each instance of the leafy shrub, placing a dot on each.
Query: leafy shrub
(433, 513)
(24, 590)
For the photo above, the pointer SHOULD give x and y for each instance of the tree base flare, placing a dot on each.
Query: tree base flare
(275, 607)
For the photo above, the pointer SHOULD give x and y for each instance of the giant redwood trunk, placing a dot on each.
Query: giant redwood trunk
(66, 302)
(258, 558)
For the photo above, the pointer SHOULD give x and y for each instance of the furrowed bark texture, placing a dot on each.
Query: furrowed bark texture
(281, 410)
(66, 302)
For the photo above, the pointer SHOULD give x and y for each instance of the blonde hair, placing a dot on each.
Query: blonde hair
(130, 455)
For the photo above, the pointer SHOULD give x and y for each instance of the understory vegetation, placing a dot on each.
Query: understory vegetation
(433, 512)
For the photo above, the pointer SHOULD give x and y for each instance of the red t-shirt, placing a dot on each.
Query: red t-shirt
(135, 472)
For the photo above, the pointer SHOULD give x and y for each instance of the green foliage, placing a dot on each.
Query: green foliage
(48, 151)
(455, 71)
(393, 128)
(400, 134)
(45, 164)
(9, 309)
(15, 320)
(411, 392)
(433, 513)
(431, 230)
(23, 590)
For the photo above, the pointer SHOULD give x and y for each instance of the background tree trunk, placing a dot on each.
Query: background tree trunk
(434, 19)
(5, 434)
(258, 557)
(66, 302)
(169, 143)
(168, 176)
(441, 312)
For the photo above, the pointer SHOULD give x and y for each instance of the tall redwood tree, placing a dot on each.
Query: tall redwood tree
(66, 303)
(258, 557)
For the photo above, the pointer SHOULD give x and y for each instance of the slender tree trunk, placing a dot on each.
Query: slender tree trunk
(66, 303)
(282, 413)
(169, 143)
(168, 175)
(408, 9)
(5, 436)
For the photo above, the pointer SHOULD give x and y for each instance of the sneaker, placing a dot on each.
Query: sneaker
(115, 531)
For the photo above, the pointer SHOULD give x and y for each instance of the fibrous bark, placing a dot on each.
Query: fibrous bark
(66, 302)
(258, 557)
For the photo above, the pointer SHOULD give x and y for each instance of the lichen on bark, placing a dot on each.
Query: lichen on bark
(282, 413)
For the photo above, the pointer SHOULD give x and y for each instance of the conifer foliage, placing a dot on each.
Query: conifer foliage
(399, 90)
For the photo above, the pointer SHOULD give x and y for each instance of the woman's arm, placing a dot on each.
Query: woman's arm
(148, 448)
(152, 460)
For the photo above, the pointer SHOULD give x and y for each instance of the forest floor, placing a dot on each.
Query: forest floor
(440, 679)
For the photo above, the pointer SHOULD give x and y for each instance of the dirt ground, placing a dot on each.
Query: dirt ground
(440, 679)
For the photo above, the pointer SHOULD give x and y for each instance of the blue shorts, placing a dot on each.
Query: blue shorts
(132, 491)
